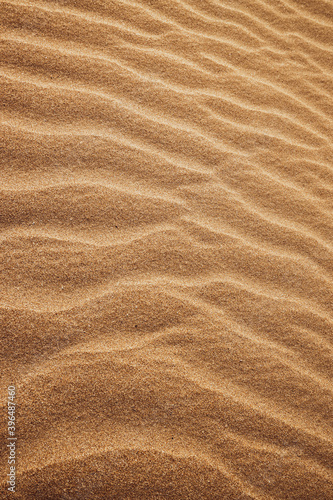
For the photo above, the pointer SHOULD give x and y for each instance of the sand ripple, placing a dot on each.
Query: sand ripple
(166, 247)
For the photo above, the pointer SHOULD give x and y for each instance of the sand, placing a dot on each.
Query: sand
(166, 248)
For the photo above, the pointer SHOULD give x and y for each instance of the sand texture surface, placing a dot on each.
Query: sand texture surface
(166, 252)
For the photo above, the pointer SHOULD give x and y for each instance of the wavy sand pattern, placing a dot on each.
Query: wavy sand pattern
(166, 247)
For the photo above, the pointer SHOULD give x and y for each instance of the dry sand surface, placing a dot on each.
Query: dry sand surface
(166, 248)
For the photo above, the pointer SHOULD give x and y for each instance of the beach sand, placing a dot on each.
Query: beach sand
(166, 222)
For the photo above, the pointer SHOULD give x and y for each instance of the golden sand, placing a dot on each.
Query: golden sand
(166, 283)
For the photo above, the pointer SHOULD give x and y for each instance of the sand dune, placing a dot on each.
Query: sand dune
(166, 248)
